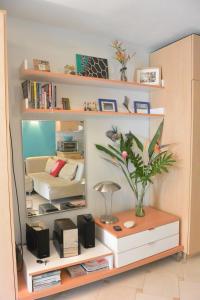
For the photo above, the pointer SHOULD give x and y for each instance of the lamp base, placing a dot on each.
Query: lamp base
(108, 219)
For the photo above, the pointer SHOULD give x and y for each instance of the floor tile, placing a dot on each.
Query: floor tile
(133, 278)
(150, 297)
(116, 292)
(168, 264)
(161, 284)
(88, 292)
(189, 290)
(192, 269)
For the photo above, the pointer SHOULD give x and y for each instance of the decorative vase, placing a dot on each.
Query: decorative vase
(123, 73)
(139, 207)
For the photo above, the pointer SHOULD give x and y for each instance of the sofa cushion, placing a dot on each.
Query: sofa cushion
(68, 172)
(50, 165)
(58, 166)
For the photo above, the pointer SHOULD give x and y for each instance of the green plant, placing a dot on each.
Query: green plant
(138, 162)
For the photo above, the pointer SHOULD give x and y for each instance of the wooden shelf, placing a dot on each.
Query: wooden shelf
(82, 80)
(88, 113)
(70, 283)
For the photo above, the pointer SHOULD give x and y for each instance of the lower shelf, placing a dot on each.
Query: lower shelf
(70, 283)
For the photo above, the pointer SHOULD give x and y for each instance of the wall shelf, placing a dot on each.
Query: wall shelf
(62, 78)
(82, 113)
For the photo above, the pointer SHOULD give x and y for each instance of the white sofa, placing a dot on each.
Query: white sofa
(50, 187)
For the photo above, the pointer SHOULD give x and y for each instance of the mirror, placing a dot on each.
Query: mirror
(54, 163)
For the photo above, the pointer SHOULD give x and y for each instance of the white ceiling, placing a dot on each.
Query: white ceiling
(149, 24)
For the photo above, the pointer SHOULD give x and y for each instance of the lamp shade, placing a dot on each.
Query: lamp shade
(107, 187)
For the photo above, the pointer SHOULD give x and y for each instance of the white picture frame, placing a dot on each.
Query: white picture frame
(149, 76)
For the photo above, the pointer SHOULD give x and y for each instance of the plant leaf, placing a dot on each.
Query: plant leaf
(138, 143)
(155, 139)
(109, 152)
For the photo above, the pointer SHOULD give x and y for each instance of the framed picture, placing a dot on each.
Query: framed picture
(150, 76)
(107, 105)
(92, 66)
(41, 65)
(141, 107)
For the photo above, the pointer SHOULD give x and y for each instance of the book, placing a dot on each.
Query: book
(75, 271)
(39, 95)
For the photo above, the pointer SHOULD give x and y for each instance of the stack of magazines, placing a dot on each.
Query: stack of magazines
(95, 265)
(46, 280)
(39, 95)
(88, 267)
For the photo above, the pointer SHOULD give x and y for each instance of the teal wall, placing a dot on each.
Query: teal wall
(38, 138)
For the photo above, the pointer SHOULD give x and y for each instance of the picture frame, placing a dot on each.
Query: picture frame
(91, 66)
(41, 65)
(142, 107)
(109, 105)
(150, 76)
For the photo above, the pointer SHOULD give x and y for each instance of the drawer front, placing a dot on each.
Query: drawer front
(147, 236)
(152, 248)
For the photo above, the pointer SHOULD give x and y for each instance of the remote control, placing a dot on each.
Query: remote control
(117, 228)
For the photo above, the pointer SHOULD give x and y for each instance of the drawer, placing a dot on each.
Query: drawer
(138, 239)
(152, 248)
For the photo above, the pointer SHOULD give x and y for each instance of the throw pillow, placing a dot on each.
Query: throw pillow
(58, 166)
(68, 172)
(50, 165)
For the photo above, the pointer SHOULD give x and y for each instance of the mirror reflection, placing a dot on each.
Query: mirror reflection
(53, 153)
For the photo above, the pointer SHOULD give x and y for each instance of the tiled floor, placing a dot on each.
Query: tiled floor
(166, 279)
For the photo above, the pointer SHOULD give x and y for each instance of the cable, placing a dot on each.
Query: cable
(17, 197)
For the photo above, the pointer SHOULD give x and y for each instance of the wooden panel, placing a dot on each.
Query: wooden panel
(153, 218)
(171, 192)
(70, 283)
(194, 241)
(72, 155)
(67, 126)
(7, 269)
(196, 57)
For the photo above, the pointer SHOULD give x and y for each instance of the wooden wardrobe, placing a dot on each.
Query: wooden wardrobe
(7, 245)
(178, 191)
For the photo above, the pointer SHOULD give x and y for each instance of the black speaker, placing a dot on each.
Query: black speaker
(37, 240)
(86, 230)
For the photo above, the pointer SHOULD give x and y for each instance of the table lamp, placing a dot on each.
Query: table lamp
(107, 188)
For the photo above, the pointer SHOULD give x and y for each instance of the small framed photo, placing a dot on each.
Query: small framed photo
(141, 107)
(41, 65)
(107, 105)
(151, 76)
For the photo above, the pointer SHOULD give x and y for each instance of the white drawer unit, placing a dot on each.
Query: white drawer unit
(156, 232)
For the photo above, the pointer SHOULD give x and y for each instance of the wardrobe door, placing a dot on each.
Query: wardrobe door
(7, 262)
(194, 240)
(171, 192)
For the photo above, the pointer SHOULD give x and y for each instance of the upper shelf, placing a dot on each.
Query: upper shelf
(87, 113)
(82, 80)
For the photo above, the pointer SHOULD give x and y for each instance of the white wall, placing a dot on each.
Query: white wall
(32, 40)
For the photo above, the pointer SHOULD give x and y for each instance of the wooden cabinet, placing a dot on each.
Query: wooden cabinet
(178, 191)
(7, 249)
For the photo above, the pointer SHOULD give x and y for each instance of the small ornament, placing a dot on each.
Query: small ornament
(113, 134)
(126, 103)
(69, 69)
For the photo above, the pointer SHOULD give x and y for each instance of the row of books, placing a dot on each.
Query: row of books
(39, 95)
(46, 280)
(88, 267)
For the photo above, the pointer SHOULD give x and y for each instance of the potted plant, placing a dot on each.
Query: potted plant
(138, 162)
